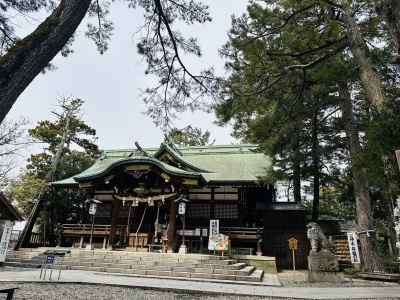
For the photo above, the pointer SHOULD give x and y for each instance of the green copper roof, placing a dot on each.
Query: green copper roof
(105, 165)
(216, 164)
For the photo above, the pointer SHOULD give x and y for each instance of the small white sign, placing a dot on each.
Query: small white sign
(353, 246)
(5, 238)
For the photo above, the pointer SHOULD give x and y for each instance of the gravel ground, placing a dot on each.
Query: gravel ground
(53, 291)
(287, 280)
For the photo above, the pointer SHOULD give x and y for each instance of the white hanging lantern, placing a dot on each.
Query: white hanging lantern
(92, 208)
(182, 208)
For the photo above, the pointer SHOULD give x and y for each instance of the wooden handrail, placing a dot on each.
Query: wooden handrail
(87, 229)
(243, 233)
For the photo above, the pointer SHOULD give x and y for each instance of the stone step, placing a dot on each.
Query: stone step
(23, 264)
(143, 264)
(155, 259)
(149, 264)
(145, 261)
(254, 276)
(244, 270)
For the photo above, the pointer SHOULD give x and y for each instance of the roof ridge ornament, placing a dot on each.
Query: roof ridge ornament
(170, 142)
(103, 155)
(141, 151)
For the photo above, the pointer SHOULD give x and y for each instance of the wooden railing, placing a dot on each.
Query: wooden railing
(86, 229)
(243, 233)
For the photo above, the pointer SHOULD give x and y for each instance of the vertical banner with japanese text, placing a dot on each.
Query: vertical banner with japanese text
(214, 230)
(5, 238)
(353, 246)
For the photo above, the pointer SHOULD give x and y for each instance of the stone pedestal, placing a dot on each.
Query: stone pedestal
(322, 276)
(323, 267)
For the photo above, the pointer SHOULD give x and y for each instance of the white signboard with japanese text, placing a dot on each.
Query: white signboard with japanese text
(5, 238)
(353, 246)
(214, 230)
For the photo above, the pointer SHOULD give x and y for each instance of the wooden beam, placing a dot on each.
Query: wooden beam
(25, 237)
(138, 167)
(190, 181)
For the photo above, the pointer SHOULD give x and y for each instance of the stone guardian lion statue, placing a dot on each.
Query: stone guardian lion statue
(318, 240)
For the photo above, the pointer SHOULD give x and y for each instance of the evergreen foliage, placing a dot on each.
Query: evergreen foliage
(61, 206)
(190, 136)
(298, 85)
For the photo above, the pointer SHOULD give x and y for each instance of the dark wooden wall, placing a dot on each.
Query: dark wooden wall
(279, 227)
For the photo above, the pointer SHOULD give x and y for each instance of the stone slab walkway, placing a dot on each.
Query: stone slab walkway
(269, 287)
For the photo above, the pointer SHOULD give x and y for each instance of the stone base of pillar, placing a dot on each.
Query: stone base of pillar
(89, 247)
(183, 250)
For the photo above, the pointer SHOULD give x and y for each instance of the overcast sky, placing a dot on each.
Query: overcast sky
(109, 83)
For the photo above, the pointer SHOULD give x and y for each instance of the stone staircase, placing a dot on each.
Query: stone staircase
(194, 266)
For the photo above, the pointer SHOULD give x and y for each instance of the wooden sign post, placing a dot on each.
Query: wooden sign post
(293, 247)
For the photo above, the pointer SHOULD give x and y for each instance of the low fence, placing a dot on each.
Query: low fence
(85, 229)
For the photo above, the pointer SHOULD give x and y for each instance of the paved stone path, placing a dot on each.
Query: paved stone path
(270, 285)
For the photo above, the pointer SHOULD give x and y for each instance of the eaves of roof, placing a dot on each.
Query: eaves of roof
(13, 212)
(103, 167)
(281, 206)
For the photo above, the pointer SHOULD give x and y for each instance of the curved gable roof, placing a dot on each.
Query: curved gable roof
(177, 155)
(216, 164)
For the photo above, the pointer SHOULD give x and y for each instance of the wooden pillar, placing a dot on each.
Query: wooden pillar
(172, 223)
(212, 203)
(114, 223)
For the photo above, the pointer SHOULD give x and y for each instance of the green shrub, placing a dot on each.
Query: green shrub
(351, 271)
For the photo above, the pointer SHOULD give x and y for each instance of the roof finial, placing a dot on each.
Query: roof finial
(140, 150)
(170, 142)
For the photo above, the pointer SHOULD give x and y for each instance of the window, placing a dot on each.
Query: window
(226, 211)
(199, 211)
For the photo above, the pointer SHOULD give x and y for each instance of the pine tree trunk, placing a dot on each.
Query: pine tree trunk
(369, 245)
(315, 162)
(369, 78)
(24, 238)
(389, 11)
(27, 58)
(296, 172)
(389, 216)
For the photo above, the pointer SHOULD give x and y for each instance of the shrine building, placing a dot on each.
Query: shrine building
(137, 194)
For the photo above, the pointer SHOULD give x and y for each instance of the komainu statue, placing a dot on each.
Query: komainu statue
(318, 240)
